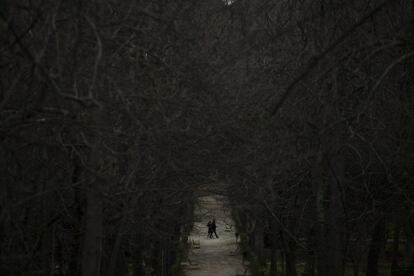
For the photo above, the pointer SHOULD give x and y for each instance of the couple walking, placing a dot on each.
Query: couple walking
(211, 225)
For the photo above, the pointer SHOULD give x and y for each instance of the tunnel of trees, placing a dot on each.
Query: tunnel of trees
(114, 112)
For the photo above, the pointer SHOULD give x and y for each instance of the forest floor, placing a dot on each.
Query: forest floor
(218, 256)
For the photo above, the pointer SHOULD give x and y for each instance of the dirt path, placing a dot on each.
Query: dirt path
(218, 257)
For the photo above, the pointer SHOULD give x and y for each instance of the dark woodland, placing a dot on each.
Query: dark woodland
(114, 114)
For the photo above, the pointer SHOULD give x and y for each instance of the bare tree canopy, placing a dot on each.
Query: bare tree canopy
(116, 115)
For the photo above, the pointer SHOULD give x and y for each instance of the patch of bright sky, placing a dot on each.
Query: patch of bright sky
(229, 2)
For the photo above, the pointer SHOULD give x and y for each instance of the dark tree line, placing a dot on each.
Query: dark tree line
(327, 148)
(102, 123)
(113, 113)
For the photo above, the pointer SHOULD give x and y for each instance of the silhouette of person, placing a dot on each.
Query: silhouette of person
(213, 227)
(210, 229)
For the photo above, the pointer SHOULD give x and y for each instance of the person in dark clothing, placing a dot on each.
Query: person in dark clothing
(213, 226)
(210, 230)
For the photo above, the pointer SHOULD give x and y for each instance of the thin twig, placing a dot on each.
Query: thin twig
(389, 68)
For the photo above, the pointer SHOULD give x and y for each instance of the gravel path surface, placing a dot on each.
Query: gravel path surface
(218, 257)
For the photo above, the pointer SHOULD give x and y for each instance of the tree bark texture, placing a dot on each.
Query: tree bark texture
(376, 246)
(93, 235)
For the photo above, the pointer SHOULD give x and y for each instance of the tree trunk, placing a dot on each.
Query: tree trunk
(113, 261)
(309, 264)
(375, 248)
(258, 245)
(311, 241)
(290, 256)
(92, 248)
(291, 264)
(138, 265)
(319, 217)
(72, 261)
(334, 228)
(273, 261)
(395, 249)
(408, 248)
(93, 236)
